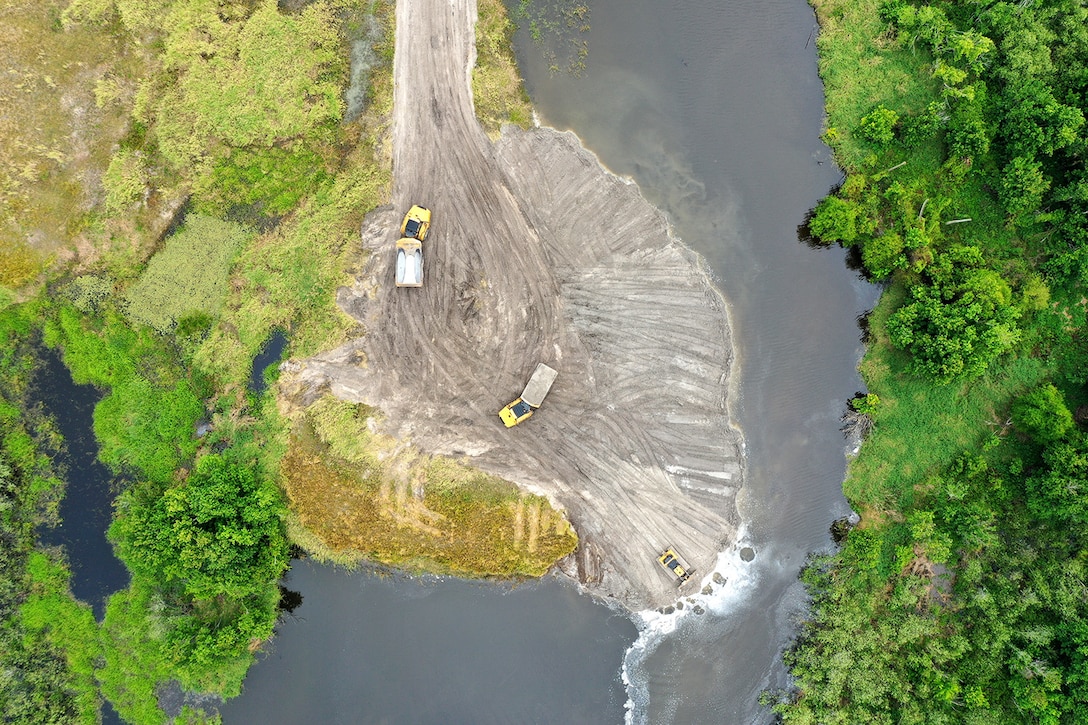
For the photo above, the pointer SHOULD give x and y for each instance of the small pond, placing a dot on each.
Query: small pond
(87, 507)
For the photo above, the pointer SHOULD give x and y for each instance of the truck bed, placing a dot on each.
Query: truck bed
(539, 385)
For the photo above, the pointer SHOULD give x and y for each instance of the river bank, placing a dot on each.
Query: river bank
(969, 408)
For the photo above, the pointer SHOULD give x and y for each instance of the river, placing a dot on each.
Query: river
(714, 108)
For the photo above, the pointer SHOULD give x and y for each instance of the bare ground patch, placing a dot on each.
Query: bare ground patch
(538, 254)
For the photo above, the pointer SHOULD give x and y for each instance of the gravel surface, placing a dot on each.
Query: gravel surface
(538, 254)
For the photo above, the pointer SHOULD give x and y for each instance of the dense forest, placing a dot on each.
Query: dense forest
(194, 184)
(962, 595)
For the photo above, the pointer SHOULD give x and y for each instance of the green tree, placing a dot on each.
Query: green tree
(1023, 185)
(968, 133)
(835, 220)
(961, 319)
(1043, 415)
(1058, 490)
(218, 534)
(1036, 123)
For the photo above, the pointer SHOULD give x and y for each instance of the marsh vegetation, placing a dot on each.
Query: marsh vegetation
(194, 190)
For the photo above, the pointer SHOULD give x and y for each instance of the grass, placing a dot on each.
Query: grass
(132, 663)
(269, 181)
(50, 612)
(497, 89)
(54, 140)
(359, 495)
(920, 426)
(858, 74)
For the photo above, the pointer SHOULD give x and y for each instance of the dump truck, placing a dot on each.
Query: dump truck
(531, 398)
(675, 565)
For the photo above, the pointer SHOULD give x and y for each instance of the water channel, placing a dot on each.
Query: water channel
(715, 109)
(86, 509)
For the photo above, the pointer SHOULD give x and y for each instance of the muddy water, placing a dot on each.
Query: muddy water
(715, 109)
(364, 649)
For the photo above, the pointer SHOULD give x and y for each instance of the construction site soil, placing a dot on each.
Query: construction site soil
(538, 254)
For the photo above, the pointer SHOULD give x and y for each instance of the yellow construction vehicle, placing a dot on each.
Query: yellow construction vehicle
(531, 398)
(416, 224)
(675, 565)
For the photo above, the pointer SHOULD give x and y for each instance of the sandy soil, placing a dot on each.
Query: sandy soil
(538, 254)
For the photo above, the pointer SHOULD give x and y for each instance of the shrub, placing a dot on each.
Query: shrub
(879, 125)
(883, 255)
(265, 80)
(125, 181)
(916, 130)
(188, 275)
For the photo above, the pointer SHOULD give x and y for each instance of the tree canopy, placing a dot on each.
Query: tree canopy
(217, 534)
(960, 596)
(957, 322)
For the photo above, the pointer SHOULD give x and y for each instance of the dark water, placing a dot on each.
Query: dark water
(270, 353)
(715, 108)
(86, 510)
(363, 649)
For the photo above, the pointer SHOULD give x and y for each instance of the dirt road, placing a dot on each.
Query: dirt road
(537, 254)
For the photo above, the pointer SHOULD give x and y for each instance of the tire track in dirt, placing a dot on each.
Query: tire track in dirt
(536, 254)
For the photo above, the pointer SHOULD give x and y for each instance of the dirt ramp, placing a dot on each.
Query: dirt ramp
(538, 254)
(635, 440)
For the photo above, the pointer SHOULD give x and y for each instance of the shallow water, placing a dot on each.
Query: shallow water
(87, 507)
(270, 354)
(715, 110)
